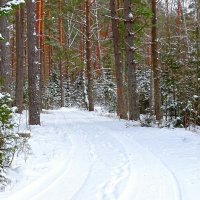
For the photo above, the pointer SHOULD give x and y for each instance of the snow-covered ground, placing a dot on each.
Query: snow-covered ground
(77, 155)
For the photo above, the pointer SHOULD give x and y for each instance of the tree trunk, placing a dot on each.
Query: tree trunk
(62, 101)
(33, 66)
(130, 62)
(43, 46)
(19, 58)
(5, 54)
(155, 67)
(50, 50)
(12, 52)
(88, 58)
(198, 48)
(99, 51)
(121, 108)
(40, 42)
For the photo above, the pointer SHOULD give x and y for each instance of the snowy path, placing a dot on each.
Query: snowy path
(87, 157)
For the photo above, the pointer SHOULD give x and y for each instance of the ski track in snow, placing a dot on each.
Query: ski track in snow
(103, 160)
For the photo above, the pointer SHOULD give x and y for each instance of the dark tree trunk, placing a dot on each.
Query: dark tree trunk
(130, 62)
(88, 58)
(5, 54)
(121, 108)
(33, 65)
(19, 58)
(198, 47)
(155, 67)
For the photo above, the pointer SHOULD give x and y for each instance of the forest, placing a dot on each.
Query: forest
(138, 59)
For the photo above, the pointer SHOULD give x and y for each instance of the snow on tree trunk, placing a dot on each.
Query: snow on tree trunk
(33, 65)
(130, 62)
(121, 108)
(155, 67)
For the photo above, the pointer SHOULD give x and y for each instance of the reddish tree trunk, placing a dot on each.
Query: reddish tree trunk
(60, 59)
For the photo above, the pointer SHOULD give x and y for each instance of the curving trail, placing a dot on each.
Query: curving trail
(99, 158)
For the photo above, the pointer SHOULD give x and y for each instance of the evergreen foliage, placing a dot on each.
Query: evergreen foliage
(9, 6)
(178, 49)
(105, 92)
(52, 92)
(7, 136)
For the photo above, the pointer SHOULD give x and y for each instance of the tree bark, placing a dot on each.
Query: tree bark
(130, 62)
(33, 66)
(121, 108)
(99, 66)
(88, 58)
(62, 100)
(155, 67)
(43, 45)
(40, 42)
(19, 58)
(198, 47)
(5, 54)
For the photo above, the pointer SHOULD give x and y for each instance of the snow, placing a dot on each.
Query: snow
(2, 96)
(130, 16)
(9, 4)
(83, 155)
(15, 2)
(1, 37)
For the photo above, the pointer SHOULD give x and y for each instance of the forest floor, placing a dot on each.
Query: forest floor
(80, 155)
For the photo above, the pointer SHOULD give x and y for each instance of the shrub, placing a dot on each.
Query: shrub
(7, 136)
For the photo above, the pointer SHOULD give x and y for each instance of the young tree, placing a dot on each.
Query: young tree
(33, 65)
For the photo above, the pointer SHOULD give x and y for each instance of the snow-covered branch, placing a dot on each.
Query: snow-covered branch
(9, 6)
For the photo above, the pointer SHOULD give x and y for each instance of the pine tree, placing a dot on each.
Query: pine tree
(130, 61)
(33, 66)
(19, 58)
(121, 107)
(155, 66)
(89, 73)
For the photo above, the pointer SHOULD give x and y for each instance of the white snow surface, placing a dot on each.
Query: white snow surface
(80, 155)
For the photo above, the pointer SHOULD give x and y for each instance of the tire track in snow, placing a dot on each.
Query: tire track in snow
(72, 177)
(108, 187)
(68, 177)
(135, 174)
(169, 173)
(172, 181)
(179, 194)
(155, 190)
(34, 187)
